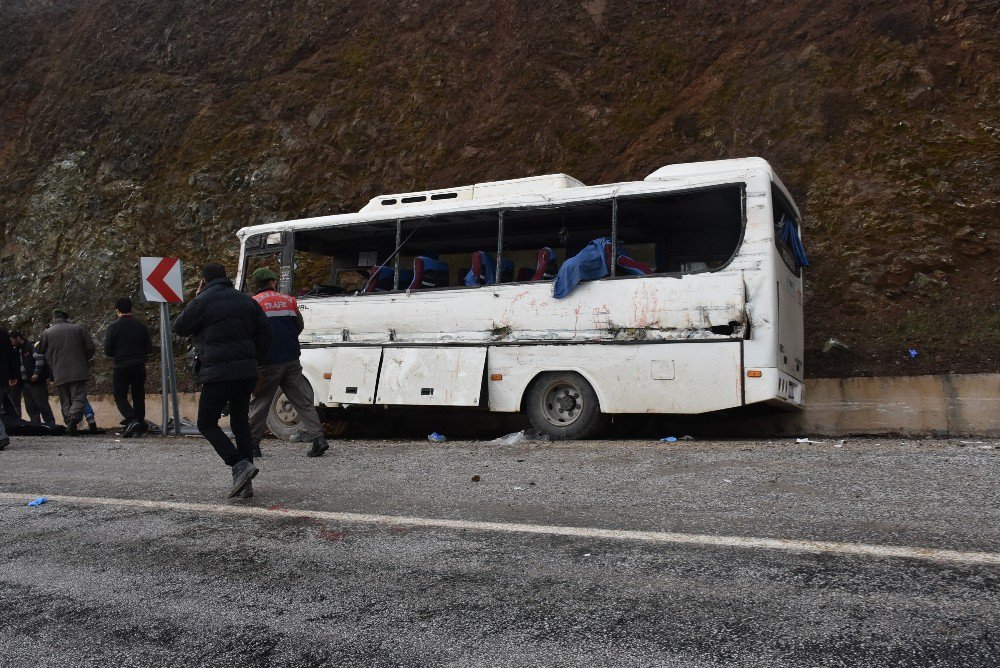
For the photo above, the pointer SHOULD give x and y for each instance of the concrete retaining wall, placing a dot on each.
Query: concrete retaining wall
(946, 405)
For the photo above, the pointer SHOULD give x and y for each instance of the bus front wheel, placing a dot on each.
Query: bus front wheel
(563, 405)
(282, 419)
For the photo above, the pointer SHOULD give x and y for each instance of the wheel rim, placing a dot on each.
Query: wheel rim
(285, 412)
(562, 403)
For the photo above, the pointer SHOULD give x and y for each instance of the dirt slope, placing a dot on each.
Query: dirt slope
(148, 127)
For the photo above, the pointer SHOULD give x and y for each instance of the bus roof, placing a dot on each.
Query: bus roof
(550, 189)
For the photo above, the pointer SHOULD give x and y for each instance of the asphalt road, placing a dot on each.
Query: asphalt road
(194, 580)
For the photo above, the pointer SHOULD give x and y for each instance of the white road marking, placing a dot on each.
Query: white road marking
(665, 537)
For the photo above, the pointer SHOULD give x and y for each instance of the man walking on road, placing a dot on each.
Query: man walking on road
(231, 338)
(10, 373)
(128, 343)
(13, 391)
(283, 368)
(34, 381)
(68, 349)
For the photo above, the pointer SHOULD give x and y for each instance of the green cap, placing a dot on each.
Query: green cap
(264, 274)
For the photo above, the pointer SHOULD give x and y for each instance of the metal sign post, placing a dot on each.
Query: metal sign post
(162, 282)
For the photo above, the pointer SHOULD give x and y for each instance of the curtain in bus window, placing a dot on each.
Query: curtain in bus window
(790, 235)
(587, 265)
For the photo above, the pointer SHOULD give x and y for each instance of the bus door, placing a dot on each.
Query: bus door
(272, 250)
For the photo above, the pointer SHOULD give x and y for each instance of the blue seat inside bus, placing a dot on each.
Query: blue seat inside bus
(428, 273)
(483, 271)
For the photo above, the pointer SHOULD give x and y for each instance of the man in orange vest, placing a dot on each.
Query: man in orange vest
(282, 368)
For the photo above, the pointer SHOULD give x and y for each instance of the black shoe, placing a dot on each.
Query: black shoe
(4, 442)
(256, 450)
(319, 446)
(243, 473)
(92, 425)
(131, 429)
(247, 492)
(73, 428)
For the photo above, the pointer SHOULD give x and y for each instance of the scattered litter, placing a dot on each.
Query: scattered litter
(668, 439)
(835, 344)
(523, 436)
(587, 555)
(687, 437)
(532, 483)
(437, 438)
(727, 480)
(913, 353)
(985, 447)
(840, 443)
(970, 442)
(37, 502)
(475, 478)
(806, 440)
(516, 489)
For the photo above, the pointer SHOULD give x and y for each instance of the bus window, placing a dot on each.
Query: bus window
(782, 213)
(439, 251)
(339, 260)
(257, 261)
(684, 232)
(566, 230)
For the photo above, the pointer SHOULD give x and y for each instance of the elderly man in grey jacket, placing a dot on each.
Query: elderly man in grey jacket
(68, 349)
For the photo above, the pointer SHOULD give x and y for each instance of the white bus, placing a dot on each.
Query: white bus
(446, 297)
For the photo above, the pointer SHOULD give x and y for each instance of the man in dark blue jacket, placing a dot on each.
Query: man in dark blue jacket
(231, 337)
(283, 368)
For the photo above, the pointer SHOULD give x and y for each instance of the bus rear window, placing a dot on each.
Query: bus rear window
(784, 215)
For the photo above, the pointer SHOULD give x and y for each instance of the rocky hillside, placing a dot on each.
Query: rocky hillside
(142, 127)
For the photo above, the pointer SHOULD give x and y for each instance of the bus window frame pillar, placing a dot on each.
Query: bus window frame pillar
(614, 236)
(496, 278)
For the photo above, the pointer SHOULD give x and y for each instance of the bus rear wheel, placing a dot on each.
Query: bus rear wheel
(563, 405)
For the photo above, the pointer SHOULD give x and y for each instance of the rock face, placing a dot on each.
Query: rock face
(136, 127)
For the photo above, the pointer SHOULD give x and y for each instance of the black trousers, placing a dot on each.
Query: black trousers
(36, 403)
(214, 397)
(130, 380)
(15, 397)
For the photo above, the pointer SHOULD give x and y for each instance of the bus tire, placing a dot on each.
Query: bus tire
(563, 405)
(282, 418)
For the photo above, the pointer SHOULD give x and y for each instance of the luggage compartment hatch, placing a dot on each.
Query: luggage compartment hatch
(353, 375)
(431, 376)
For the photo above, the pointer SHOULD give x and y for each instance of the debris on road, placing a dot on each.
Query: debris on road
(523, 436)
(436, 437)
(913, 353)
(687, 437)
(806, 440)
(475, 477)
(39, 501)
(668, 439)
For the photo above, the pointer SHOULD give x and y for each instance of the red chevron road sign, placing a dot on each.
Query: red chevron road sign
(161, 279)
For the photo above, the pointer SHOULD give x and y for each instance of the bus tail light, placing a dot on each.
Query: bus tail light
(496, 376)
(754, 373)
(327, 376)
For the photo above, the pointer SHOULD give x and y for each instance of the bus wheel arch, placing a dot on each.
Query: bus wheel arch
(564, 405)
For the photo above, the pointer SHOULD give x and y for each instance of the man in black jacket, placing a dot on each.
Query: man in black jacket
(231, 337)
(34, 381)
(128, 343)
